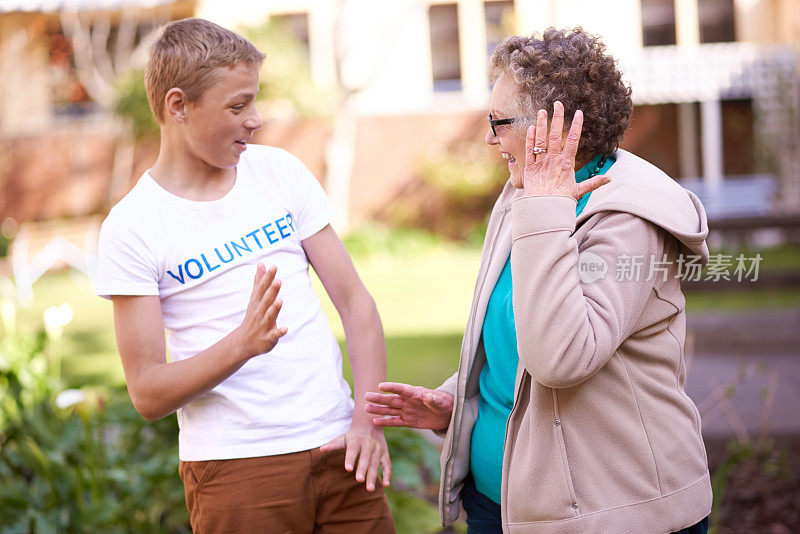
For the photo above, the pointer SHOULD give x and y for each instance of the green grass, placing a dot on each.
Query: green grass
(423, 300)
(743, 300)
(423, 295)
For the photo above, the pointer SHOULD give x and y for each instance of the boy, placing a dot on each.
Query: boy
(266, 419)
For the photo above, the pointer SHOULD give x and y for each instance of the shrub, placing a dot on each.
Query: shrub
(454, 194)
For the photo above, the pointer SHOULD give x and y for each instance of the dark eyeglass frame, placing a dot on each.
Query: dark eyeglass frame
(499, 122)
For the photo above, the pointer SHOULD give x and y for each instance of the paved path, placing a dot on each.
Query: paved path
(740, 361)
(733, 393)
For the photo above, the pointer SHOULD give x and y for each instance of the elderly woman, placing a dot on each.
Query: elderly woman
(568, 412)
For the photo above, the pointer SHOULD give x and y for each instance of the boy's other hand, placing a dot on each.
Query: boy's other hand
(258, 331)
(365, 451)
(411, 406)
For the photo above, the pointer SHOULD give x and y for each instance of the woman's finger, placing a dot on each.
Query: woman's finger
(541, 134)
(590, 185)
(574, 136)
(439, 401)
(389, 421)
(556, 129)
(398, 388)
(530, 144)
(379, 409)
(394, 401)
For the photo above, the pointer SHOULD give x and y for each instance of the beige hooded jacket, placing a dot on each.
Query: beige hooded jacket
(602, 436)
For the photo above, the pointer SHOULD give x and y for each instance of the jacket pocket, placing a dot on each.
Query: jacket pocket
(605, 441)
(539, 485)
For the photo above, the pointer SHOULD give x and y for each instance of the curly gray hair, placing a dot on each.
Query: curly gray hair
(573, 67)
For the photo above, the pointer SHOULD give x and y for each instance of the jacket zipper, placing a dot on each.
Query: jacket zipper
(457, 420)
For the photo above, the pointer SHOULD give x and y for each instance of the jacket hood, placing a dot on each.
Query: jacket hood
(642, 189)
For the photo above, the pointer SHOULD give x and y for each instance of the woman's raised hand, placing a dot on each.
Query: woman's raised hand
(549, 168)
(411, 406)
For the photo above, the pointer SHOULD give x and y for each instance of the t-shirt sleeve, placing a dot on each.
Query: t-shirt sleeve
(125, 262)
(312, 207)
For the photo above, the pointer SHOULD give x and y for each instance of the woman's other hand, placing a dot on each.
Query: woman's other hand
(410, 406)
(549, 169)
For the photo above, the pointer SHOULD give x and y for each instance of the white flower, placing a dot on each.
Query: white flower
(69, 397)
(56, 318)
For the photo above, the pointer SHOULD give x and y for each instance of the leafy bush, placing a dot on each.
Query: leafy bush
(454, 194)
(415, 477)
(89, 467)
(130, 102)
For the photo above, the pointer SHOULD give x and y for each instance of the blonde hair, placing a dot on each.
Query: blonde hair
(187, 54)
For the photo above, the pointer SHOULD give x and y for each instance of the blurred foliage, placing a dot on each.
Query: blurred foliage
(286, 86)
(375, 238)
(454, 195)
(415, 474)
(93, 464)
(131, 103)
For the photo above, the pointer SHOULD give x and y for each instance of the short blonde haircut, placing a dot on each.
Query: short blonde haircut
(187, 55)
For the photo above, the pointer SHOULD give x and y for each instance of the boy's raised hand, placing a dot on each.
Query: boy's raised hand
(258, 330)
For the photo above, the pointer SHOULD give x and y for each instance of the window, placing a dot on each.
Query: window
(716, 21)
(658, 22)
(445, 53)
(499, 22)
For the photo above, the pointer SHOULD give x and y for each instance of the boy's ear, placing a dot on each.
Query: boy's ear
(175, 104)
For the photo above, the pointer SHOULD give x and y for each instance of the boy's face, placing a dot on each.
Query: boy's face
(221, 123)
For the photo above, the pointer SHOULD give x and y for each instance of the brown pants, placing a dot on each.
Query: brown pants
(297, 493)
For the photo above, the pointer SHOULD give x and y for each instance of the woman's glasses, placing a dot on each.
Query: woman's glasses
(499, 122)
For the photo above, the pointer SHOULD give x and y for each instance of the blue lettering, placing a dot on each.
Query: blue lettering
(199, 269)
(269, 233)
(244, 246)
(209, 267)
(223, 260)
(289, 221)
(281, 228)
(180, 273)
(253, 235)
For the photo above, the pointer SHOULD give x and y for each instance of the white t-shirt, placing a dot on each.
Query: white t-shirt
(200, 258)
